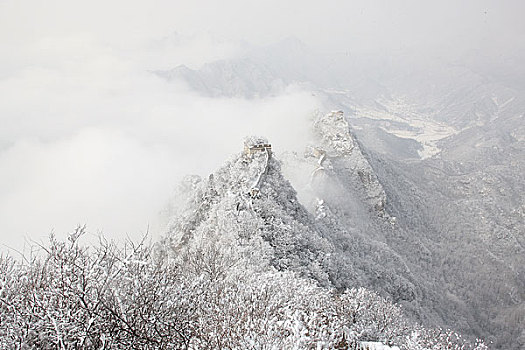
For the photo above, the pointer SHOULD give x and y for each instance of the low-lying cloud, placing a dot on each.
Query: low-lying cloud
(90, 136)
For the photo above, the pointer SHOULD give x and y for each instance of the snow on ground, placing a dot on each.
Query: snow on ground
(372, 345)
(419, 126)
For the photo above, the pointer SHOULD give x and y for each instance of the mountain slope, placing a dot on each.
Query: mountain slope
(424, 175)
(248, 201)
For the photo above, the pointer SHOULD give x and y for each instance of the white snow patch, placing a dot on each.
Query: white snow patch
(372, 345)
(420, 127)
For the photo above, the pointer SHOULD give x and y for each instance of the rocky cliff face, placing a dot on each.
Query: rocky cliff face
(344, 153)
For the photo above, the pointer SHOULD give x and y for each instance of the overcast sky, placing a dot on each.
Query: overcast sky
(355, 25)
(89, 136)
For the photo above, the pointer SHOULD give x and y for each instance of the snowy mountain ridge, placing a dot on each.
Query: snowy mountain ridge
(249, 201)
(339, 228)
(423, 172)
